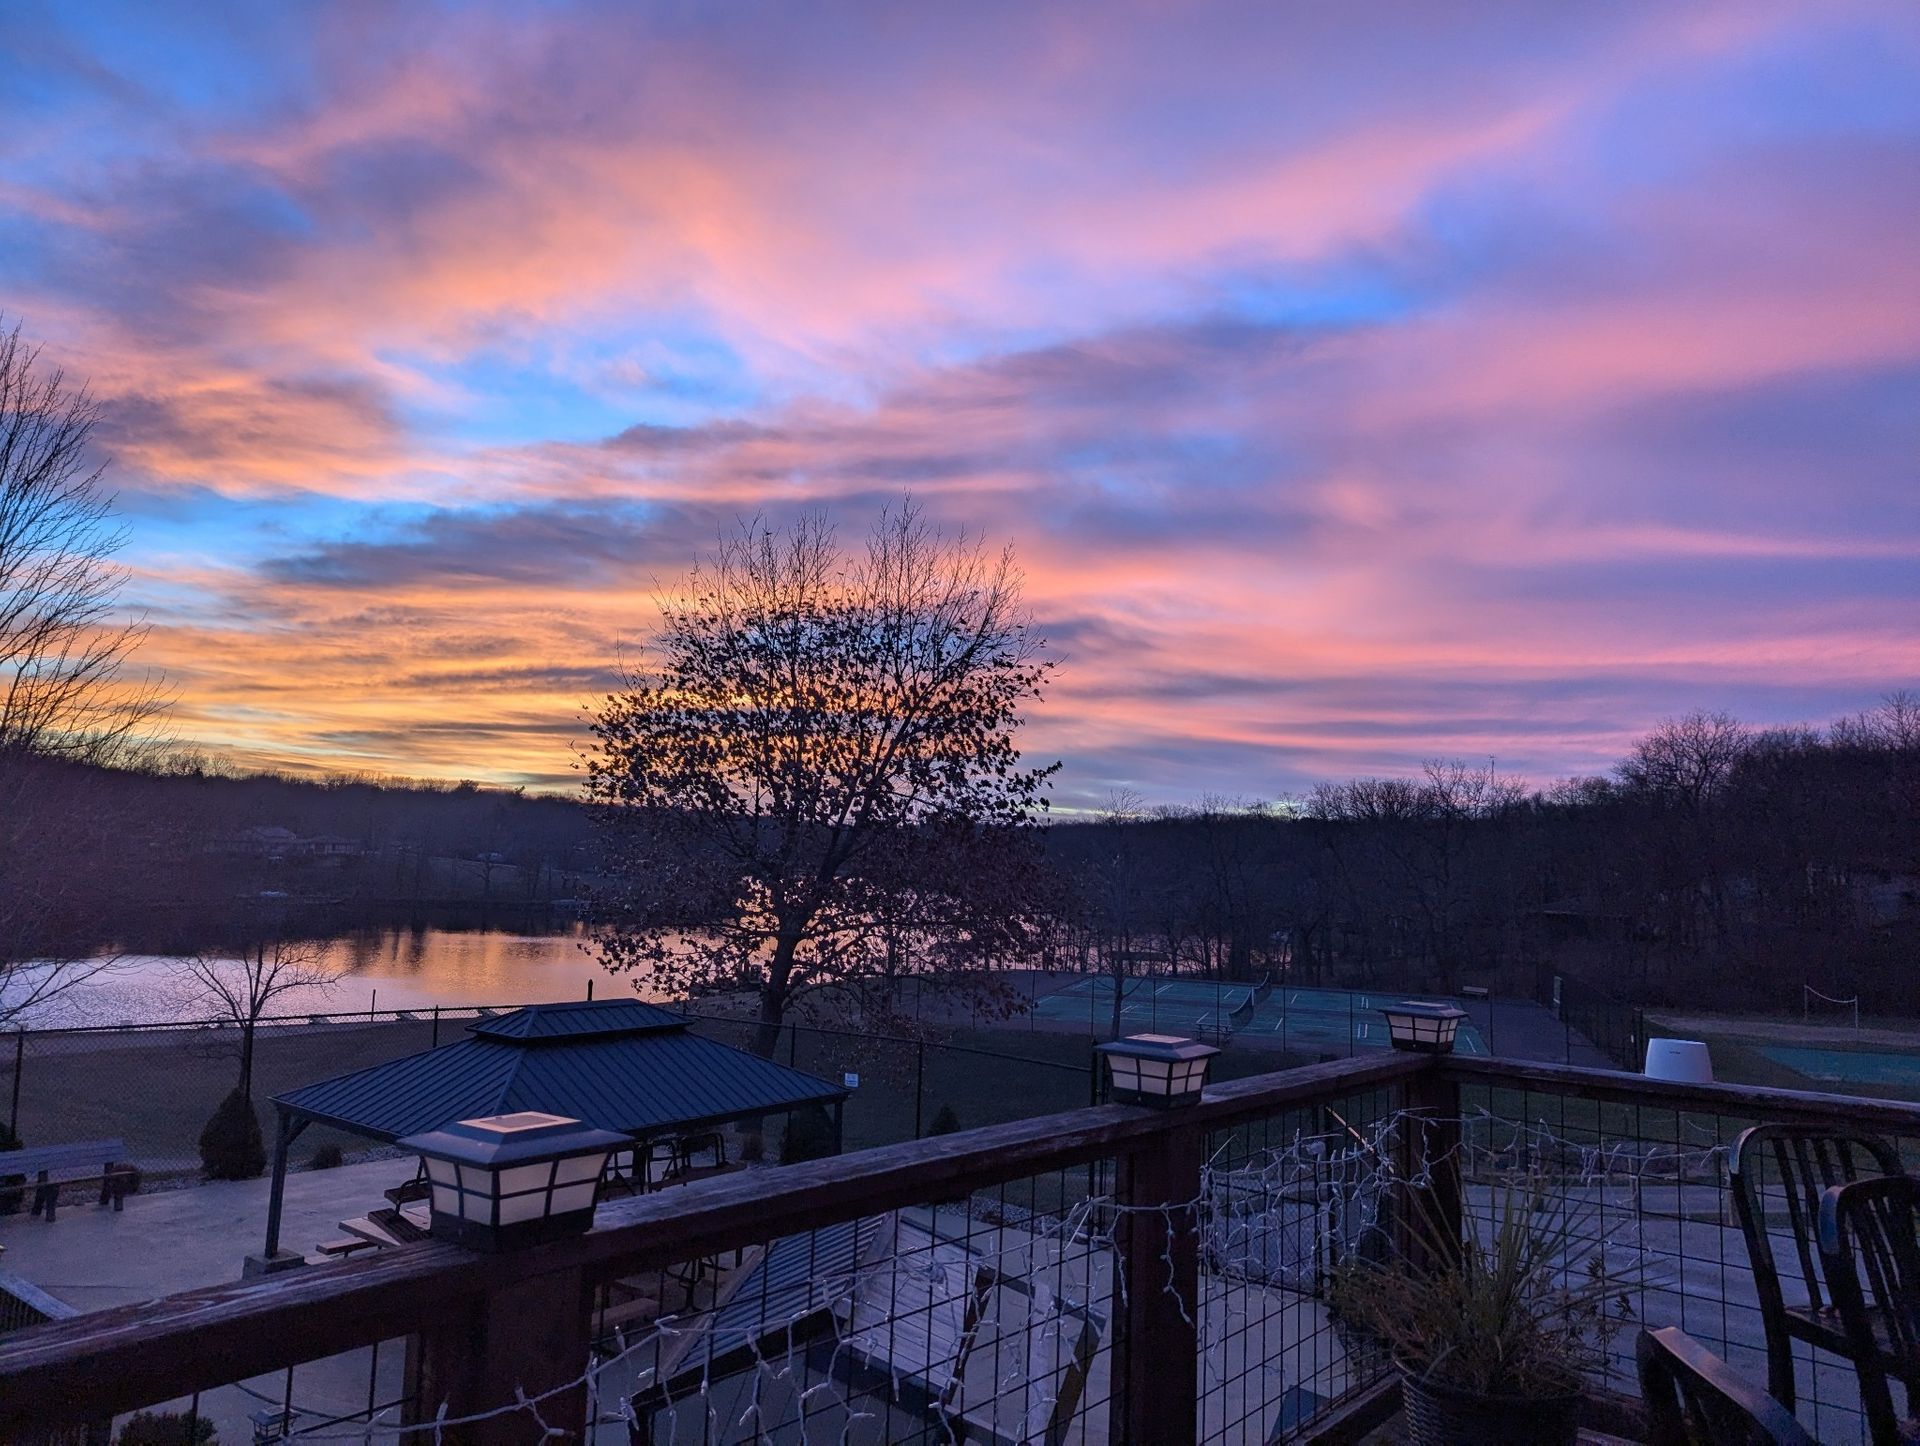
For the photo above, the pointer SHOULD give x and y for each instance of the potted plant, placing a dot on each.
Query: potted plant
(1492, 1334)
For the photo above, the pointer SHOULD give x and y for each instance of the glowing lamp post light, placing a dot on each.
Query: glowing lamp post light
(509, 1181)
(1162, 1070)
(1423, 1028)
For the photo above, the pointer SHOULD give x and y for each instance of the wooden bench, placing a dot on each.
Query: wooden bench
(48, 1167)
(336, 1249)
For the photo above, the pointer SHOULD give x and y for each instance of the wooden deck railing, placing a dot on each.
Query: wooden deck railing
(479, 1325)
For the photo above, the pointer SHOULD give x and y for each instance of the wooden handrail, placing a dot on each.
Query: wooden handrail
(1757, 1102)
(123, 1359)
(131, 1356)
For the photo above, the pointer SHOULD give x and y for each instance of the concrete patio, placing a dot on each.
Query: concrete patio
(174, 1240)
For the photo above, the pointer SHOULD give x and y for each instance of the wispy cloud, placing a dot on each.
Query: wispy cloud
(1488, 381)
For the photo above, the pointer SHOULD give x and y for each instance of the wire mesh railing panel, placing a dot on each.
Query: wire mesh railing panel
(1644, 1194)
(867, 1298)
(988, 1316)
(340, 1397)
(1284, 1199)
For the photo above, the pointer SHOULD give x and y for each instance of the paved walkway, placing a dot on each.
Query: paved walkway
(174, 1240)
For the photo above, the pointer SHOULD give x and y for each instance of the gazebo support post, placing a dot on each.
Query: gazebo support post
(839, 1123)
(273, 1258)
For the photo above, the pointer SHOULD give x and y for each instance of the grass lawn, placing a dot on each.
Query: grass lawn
(156, 1089)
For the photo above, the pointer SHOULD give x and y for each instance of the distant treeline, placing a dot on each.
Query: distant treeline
(180, 855)
(1717, 864)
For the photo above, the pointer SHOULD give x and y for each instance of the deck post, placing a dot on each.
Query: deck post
(1428, 1165)
(533, 1336)
(1156, 1392)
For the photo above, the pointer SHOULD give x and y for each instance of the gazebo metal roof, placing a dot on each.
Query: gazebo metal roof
(620, 1064)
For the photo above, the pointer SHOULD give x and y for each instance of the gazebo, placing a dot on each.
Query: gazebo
(619, 1064)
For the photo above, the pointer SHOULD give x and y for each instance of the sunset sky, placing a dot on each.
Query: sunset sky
(1358, 383)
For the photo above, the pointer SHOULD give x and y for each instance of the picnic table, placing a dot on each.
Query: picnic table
(379, 1228)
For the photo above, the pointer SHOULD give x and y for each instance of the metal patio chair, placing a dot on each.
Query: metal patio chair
(1804, 1161)
(1696, 1399)
(1872, 1260)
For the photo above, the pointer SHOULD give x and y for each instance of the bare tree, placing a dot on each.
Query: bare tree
(242, 988)
(65, 697)
(1410, 844)
(62, 647)
(1679, 771)
(813, 733)
(1684, 762)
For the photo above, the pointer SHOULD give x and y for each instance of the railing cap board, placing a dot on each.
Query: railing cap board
(131, 1356)
(1759, 1102)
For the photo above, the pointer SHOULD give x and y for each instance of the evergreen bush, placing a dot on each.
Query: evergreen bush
(230, 1145)
(808, 1136)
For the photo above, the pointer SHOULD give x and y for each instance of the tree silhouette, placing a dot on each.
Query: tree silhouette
(820, 749)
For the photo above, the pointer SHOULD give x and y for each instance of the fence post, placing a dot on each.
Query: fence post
(1428, 1167)
(535, 1334)
(436, 1028)
(19, 1063)
(1157, 1355)
(919, 1083)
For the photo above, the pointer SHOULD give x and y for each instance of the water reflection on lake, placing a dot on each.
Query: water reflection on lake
(383, 968)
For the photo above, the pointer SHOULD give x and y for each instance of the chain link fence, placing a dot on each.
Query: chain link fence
(154, 1087)
(1618, 1030)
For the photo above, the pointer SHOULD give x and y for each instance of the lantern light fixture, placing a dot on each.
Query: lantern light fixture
(1161, 1070)
(509, 1181)
(1423, 1027)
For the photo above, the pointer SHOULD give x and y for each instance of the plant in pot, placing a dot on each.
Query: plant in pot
(1493, 1334)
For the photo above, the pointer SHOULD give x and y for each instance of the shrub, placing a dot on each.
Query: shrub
(945, 1121)
(325, 1157)
(808, 1136)
(166, 1428)
(230, 1145)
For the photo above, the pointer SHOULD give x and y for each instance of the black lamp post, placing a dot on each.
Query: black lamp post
(509, 1181)
(1161, 1070)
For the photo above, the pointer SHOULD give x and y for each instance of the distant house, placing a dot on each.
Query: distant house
(330, 846)
(277, 843)
(1881, 891)
(263, 841)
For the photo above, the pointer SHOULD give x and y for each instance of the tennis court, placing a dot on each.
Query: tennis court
(1848, 1066)
(1309, 1021)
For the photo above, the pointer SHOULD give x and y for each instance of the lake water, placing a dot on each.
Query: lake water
(378, 968)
